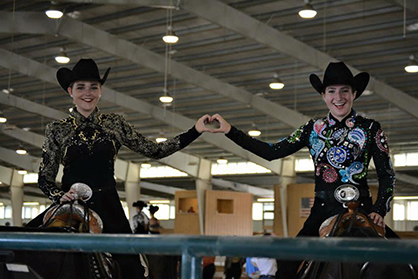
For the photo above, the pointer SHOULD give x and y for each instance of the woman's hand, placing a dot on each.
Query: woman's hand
(377, 219)
(201, 124)
(224, 126)
(69, 196)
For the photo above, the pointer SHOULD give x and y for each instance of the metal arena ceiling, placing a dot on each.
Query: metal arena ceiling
(227, 55)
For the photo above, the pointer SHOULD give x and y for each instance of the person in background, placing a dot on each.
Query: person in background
(209, 268)
(154, 223)
(140, 221)
(251, 270)
(266, 266)
(233, 267)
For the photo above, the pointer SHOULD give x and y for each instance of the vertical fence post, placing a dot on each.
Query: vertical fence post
(191, 267)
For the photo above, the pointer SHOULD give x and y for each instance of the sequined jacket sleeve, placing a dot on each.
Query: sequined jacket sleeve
(384, 169)
(271, 151)
(147, 147)
(51, 158)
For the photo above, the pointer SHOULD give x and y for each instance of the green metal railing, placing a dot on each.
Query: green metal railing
(193, 248)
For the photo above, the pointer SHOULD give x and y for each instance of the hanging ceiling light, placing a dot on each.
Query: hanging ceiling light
(307, 11)
(161, 137)
(166, 98)
(254, 132)
(145, 165)
(276, 84)
(412, 67)
(170, 37)
(22, 172)
(62, 57)
(54, 12)
(21, 150)
(222, 161)
(3, 118)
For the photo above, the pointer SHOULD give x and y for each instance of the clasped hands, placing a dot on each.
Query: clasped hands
(206, 124)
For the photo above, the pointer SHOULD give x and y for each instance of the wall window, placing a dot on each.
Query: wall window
(304, 165)
(257, 211)
(398, 211)
(412, 211)
(405, 159)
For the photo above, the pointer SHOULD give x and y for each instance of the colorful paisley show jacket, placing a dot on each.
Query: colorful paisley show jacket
(341, 152)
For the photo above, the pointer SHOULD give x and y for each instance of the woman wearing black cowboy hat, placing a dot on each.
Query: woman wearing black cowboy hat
(341, 145)
(87, 143)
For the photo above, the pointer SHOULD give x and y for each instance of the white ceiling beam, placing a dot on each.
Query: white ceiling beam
(413, 180)
(35, 69)
(26, 162)
(240, 187)
(160, 188)
(226, 16)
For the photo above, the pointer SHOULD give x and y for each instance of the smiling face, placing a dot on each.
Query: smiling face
(339, 100)
(85, 95)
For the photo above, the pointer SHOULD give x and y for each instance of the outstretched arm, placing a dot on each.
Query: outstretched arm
(269, 151)
(138, 143)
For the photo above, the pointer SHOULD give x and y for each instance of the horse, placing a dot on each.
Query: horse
(353, 222)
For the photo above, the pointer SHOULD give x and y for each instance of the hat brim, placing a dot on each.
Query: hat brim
(65, 77)
(316, 83)
(359, 83)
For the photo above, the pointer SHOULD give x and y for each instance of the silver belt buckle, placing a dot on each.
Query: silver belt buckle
(346, 193)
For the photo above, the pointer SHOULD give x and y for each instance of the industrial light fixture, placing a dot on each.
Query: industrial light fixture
(54, 12)
(161, 137)
(158, 201)
(307, 11)
(31, 203)
(412, 67)
(62, 57)
(265, 200)
(3, 118)
(22, 172)
(166, 98)
(254, 132)
(170, 37)
(145, 165)
(21, 150)
(8, 90)
(222, 161)
(276, 84)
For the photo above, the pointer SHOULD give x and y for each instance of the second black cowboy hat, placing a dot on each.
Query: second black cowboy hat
(339, 73)
(85, 69)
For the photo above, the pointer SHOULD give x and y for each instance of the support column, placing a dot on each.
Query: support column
(203, 183)
(17, 193)
(280, 196)
(132, 186)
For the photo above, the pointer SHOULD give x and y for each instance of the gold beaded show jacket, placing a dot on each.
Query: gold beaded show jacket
(87, 148)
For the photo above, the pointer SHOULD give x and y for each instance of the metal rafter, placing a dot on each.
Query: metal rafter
(99, 39)
(232, 19)
(35, 69)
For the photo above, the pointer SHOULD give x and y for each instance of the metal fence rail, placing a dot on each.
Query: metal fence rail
(193, 248)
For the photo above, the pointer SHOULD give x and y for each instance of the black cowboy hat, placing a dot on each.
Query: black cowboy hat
(85, 69)
(153, 208)
(339, 73)
(139, 204)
